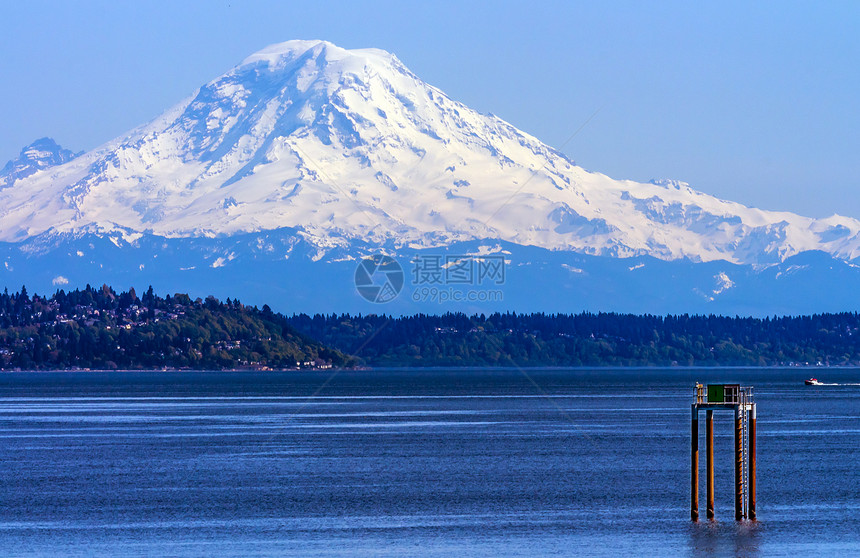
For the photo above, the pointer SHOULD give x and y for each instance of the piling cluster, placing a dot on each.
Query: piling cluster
(725, 397)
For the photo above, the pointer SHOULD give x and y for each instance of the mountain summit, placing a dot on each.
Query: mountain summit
(349, 146)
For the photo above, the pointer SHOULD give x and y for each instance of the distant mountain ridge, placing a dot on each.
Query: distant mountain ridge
(349, 148)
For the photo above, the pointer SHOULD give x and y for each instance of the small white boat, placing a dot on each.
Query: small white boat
(812, 382)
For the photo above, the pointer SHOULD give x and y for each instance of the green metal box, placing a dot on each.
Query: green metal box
(716, 393)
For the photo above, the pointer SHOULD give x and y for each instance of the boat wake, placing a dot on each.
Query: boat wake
(829, 384)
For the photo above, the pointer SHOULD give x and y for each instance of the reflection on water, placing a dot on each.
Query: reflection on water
(727, 537)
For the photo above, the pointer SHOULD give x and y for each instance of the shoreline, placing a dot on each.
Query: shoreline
(655, 367)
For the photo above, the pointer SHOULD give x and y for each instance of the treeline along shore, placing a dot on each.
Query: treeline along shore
(588, 339)
(98, 328)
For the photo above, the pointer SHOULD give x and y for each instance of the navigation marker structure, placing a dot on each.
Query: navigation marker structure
(738, 399)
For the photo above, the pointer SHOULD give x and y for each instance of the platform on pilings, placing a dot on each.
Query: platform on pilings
(738, 399)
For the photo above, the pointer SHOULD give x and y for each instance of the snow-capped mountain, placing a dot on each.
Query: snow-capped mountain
(270, 181)
(349, 146)
(42, 154)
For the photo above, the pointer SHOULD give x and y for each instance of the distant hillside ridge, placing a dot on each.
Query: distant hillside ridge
(588, 339)
(102, 329)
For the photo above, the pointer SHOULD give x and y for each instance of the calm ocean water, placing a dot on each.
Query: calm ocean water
(389, 463)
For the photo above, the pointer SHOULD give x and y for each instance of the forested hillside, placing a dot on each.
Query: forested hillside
(589, 339)
(103, 329)
(99, 328)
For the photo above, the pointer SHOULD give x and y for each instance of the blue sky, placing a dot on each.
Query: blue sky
(757, 102)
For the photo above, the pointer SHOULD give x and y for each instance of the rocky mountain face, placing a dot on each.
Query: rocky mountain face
(42, 154)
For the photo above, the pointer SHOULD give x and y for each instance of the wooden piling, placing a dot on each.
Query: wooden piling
(709, 461)
(752, 434)
(694, 465)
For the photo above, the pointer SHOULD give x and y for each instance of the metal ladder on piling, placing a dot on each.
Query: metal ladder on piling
(744, 450)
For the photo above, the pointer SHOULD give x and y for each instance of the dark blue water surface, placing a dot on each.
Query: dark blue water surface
(487, 462)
